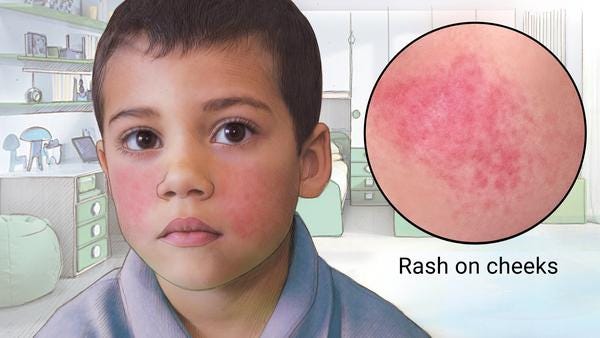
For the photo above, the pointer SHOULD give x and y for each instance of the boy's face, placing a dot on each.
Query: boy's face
(205, 135)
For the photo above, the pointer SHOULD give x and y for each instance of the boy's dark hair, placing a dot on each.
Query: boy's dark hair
(190, 24)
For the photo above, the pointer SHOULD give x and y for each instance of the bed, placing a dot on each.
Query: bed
(323, 214)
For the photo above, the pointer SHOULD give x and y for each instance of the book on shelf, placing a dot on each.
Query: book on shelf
(82, 43)
(62, 86)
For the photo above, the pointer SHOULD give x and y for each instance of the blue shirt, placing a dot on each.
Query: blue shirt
(316, 301)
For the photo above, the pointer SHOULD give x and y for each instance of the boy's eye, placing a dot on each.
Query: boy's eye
(141, 139)
(232, 132)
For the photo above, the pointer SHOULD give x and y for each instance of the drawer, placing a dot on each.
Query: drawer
(92, 254)
(90, 232)
(91, 209)
(363, 183)
(86, 183)
(358, 155)
(360, 169)
(89, 194)
(367, 198)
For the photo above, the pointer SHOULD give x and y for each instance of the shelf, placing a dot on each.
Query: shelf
(11, 59)
(11, 108)
(48, 65)
(56, 66)
(77, 20)
(55, 60)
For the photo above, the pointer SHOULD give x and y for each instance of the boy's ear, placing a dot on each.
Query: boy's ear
(102, 158)
(101, 155)
(315, 162)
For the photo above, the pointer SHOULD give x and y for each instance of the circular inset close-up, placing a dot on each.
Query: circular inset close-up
(475, 132)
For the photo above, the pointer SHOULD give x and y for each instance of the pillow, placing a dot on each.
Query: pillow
(334, 148)
(336, 157)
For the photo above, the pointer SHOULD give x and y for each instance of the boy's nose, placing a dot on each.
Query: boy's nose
(186, 178)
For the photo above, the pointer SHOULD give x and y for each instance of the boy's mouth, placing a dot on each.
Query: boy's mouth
(188, 232)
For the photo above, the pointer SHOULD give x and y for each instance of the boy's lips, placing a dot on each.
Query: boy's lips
(189, 231)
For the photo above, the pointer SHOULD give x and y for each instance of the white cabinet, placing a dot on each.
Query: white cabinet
(73, 200)
(506, 17)
(441, 18)
(332, 29)
(405, 26)
(369, 58)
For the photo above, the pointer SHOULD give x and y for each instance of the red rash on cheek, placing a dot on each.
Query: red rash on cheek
(461, 123)
(257, 200)
(244, 207)
(134, 192)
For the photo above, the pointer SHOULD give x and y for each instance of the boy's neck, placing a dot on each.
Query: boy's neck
(240, 308)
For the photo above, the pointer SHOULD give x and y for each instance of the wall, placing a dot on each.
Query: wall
(63, 126)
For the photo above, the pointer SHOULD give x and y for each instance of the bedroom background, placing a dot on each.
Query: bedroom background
(353, 226)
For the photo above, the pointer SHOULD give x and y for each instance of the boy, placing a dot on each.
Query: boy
(209, 118)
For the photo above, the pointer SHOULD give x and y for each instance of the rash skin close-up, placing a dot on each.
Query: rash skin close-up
(475, 133)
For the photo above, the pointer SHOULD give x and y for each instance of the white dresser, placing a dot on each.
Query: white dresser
(72, 197)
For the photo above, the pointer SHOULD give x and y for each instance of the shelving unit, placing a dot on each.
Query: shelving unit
(76, 20)
(10, 108)
(49, 65)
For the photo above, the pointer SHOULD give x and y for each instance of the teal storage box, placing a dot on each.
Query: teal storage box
(572, 209)
(403, 228)
(30, 261)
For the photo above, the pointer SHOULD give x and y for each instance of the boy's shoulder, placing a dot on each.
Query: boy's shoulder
(364, 313)
(97, 310)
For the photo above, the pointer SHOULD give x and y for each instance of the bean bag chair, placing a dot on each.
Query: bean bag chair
(30, 261)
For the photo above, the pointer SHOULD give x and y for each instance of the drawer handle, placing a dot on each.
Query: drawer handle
(367, 169)
(96, 251)
(96, 208)
(369, 182)
(368, 195)
(96, 230)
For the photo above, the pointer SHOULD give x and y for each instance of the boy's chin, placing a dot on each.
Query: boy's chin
(198, 281)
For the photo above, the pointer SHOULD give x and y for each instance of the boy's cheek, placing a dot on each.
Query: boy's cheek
(134, 192)
(258, 200)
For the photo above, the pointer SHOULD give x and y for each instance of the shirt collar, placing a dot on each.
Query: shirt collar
(150, 313)
(300, 289)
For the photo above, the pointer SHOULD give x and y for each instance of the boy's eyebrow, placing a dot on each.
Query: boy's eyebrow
(139, 111)
(226, 102)
(209, 106)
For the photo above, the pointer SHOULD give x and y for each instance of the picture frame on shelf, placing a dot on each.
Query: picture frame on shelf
(85, 148)
(35, 44)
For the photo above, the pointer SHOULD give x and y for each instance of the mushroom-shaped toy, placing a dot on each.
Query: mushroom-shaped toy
(35, 135)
